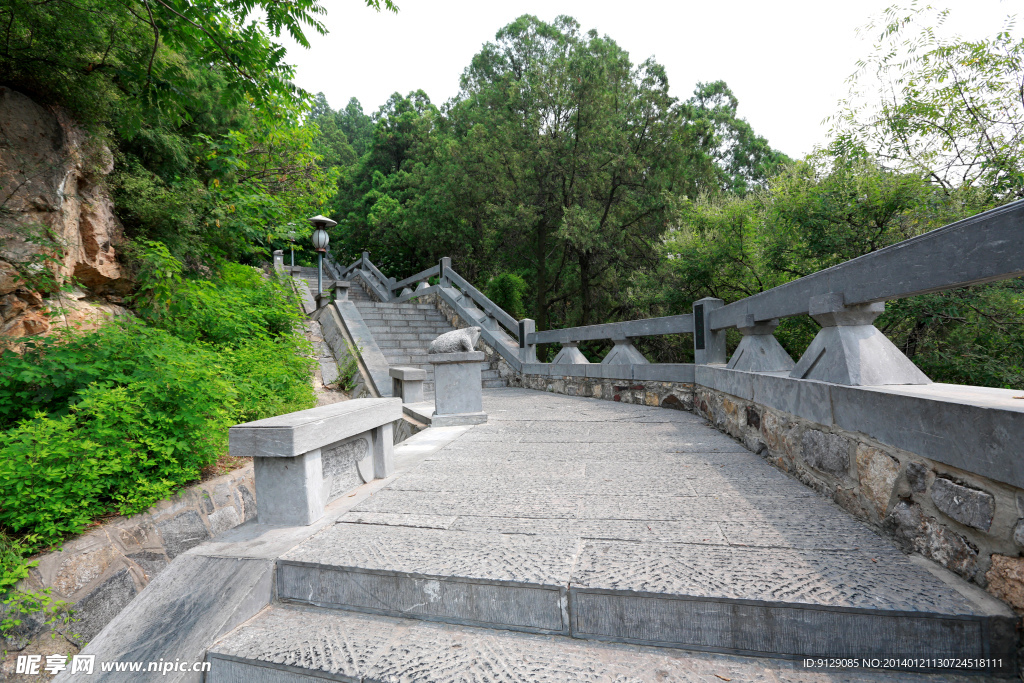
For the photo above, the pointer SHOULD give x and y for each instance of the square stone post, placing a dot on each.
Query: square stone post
(458, 393)
(325, 298)
(279, 260)
(444, 265)
(341, 290)
(527, 352)
(384, 451)
(708, 344)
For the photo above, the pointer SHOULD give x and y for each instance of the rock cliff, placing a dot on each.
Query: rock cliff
(57, 223)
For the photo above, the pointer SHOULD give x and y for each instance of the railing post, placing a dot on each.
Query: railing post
(444, 265)
(366, 260)
(760, 351)
(849, 349)
(708, 344)
(527, 352)
(279, 260)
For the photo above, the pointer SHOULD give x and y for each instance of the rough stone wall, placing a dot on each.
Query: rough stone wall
(675, 395)
(967, 523)
(53, 201)
(101, 571)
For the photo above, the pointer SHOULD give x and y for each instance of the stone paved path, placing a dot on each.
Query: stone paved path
(609, 506)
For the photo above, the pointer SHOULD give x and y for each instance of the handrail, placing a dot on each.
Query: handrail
(983, 248)
(490, 308)
(647, 327)
(385, 283)
(418, 277)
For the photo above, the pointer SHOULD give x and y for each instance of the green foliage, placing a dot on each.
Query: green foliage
(560, 160)
(114, 420)
(348, 372)
(507, 291)
(950, 110)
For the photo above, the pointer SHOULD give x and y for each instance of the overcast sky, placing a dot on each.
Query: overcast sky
(787, 61)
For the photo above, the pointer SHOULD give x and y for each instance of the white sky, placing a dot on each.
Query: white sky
(787, 61)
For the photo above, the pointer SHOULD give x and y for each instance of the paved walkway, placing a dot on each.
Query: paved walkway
(622, 513)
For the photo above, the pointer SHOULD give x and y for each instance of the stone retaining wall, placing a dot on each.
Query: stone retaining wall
(967, 523)
(101, 571)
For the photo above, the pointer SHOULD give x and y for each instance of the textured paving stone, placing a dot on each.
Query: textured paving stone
(283, 643)
(810, 577)
(525, 559)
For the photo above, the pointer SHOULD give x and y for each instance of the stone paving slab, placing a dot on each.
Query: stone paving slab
(810, 577)
(289, 643)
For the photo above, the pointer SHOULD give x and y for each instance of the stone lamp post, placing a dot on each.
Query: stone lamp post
(320, 241)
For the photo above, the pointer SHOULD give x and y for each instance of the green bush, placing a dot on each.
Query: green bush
(507, 291)
(114, 420)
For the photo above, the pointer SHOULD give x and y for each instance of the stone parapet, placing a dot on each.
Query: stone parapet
(957, 517)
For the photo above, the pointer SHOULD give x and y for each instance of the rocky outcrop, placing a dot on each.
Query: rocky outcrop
(57, 221)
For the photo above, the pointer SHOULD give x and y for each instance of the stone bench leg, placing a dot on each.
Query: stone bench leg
(289, 491)
(384, 451)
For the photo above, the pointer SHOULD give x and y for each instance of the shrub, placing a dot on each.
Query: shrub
(507, 291)
(114, 420)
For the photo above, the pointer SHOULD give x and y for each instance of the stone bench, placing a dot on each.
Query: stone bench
(407, 383)
(306, 459)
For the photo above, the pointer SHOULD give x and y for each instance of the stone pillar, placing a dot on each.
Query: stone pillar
(384, 451)
(407, 383)
(527, 352)
(290, 491)
(341, 290)
(444, 265)
(458, 394)
(570, 355)
(708, 344)
(624, 353)
(279, 260)
(759, 350)
(850, 350)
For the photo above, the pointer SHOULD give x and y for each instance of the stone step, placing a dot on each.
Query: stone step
(759, 601)
(403, 336)
(290, 643)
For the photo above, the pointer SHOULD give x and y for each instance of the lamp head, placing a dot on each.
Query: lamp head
(320, 237)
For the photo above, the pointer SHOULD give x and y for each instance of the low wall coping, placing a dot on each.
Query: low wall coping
(976, 429)
(291, 435)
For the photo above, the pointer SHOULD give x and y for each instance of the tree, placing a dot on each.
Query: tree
(950, 109)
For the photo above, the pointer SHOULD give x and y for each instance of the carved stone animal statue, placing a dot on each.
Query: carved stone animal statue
(456, 341)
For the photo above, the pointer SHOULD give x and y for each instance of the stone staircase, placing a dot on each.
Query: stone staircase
(403, 331)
